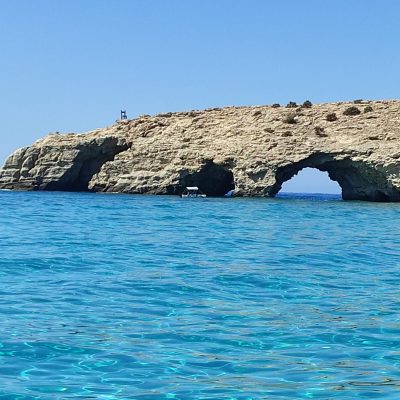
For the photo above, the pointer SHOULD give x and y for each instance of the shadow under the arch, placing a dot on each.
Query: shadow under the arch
(309, 196)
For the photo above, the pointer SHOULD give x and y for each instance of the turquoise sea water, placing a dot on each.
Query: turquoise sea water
(145, 297)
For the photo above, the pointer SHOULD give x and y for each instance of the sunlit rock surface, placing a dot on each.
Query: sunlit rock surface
(252, 149)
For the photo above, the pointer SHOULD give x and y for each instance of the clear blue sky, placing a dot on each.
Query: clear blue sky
(71, 65)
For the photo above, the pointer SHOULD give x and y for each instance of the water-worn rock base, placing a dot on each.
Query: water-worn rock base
(251, 149)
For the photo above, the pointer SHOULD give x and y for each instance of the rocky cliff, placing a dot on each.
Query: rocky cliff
(251, 149)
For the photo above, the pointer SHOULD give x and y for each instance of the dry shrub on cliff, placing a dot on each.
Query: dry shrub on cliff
(275, 105)
(351, 111)
(319, 131)
(290, 118)
(358, 101)
(291, 104)
(331, 117)
(368, 109)
(307, 104)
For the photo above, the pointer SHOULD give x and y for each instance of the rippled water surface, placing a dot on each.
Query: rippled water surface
(142, 297)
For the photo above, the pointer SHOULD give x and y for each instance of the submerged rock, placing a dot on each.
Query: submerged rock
(250, 149)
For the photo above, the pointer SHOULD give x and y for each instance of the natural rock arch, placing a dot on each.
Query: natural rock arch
(312, 181)
(357, 179)
(261, 147)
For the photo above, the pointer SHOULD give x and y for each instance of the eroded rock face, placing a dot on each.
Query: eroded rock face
(253, 149)
(60, 162)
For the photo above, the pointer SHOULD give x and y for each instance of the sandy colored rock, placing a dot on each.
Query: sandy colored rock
(254, 149)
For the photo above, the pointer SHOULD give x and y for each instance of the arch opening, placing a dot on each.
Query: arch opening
(357, 180)
(311, 180)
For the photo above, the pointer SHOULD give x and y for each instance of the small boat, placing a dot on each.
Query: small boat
(192, 191)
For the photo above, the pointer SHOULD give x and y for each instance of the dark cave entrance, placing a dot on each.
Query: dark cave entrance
(86, 172)
(87, 164)
(214, 180)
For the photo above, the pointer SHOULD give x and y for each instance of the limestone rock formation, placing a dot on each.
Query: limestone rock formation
(251, 149)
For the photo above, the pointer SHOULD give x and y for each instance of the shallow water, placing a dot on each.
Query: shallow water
(145, 297)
